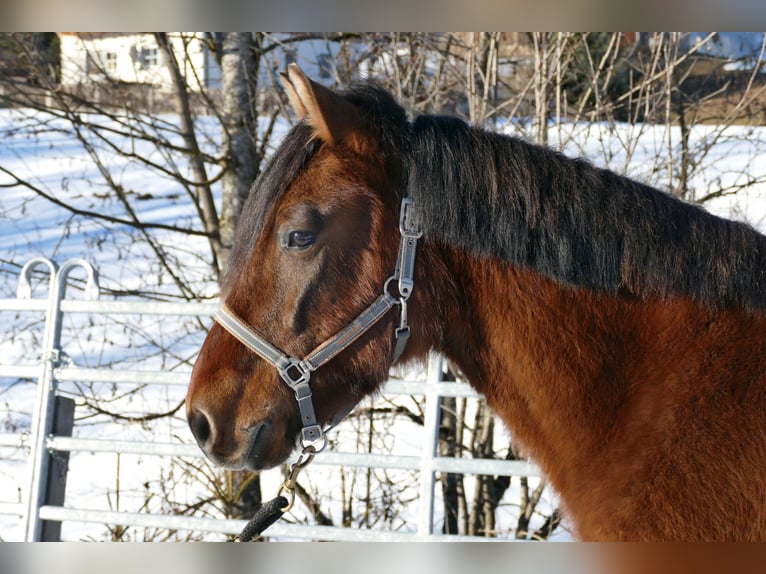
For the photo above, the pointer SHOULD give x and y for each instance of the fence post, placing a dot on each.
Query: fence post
(430, 443)
(55, 487)
(40, 422)
(43, 415)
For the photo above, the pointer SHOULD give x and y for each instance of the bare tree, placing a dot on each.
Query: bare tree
(240, 60)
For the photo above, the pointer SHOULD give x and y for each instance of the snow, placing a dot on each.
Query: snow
(46, 153)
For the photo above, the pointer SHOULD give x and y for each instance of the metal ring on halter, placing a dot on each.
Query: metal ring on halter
(322, 440)
(398, 295)
(386, 284)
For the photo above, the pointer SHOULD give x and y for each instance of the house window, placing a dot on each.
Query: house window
(149, 57)
(110, 62)
(101, 63)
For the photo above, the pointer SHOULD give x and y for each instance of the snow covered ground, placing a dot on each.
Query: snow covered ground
(48, 155)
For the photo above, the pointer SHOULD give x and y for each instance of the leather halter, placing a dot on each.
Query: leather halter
(296, 373)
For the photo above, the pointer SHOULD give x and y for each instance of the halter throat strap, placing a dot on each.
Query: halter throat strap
(296, 373)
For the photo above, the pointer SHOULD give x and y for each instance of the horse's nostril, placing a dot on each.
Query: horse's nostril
(200, 426)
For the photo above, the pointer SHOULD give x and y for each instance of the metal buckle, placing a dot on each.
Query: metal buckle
(408, 227)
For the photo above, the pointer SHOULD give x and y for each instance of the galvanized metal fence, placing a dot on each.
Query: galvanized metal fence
(43, 507)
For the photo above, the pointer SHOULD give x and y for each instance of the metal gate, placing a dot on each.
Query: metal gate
(43, 507)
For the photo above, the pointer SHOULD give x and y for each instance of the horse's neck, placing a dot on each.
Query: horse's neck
(595, 387)
(536, 350)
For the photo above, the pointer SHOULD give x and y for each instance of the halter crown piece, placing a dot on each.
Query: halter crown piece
(296, 373)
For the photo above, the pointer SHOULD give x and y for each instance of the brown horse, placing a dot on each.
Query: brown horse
(618, 332)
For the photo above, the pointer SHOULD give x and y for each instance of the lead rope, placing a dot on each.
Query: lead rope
(273, 510)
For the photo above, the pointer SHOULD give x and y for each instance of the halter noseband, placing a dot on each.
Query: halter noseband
(296, 373)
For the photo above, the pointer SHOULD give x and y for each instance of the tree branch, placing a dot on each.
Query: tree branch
(94, 214)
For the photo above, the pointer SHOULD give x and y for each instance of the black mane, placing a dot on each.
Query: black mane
(498, 196)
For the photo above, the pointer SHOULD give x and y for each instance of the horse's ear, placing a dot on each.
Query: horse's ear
(292, 97)
(335, 120)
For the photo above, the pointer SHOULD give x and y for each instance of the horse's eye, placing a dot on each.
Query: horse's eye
(300, 240)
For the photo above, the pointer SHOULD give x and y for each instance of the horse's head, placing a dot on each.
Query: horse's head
(316, 242)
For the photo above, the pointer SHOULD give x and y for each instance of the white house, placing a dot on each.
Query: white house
(135, 58)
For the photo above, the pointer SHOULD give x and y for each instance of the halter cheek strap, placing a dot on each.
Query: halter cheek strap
(296, 373)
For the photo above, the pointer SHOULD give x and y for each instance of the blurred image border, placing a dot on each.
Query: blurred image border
(381, 558)
(321, 15)
(399, 15)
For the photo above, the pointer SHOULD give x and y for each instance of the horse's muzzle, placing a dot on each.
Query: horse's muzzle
(249, 452)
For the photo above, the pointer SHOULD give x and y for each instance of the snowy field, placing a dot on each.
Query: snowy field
(49, 157)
